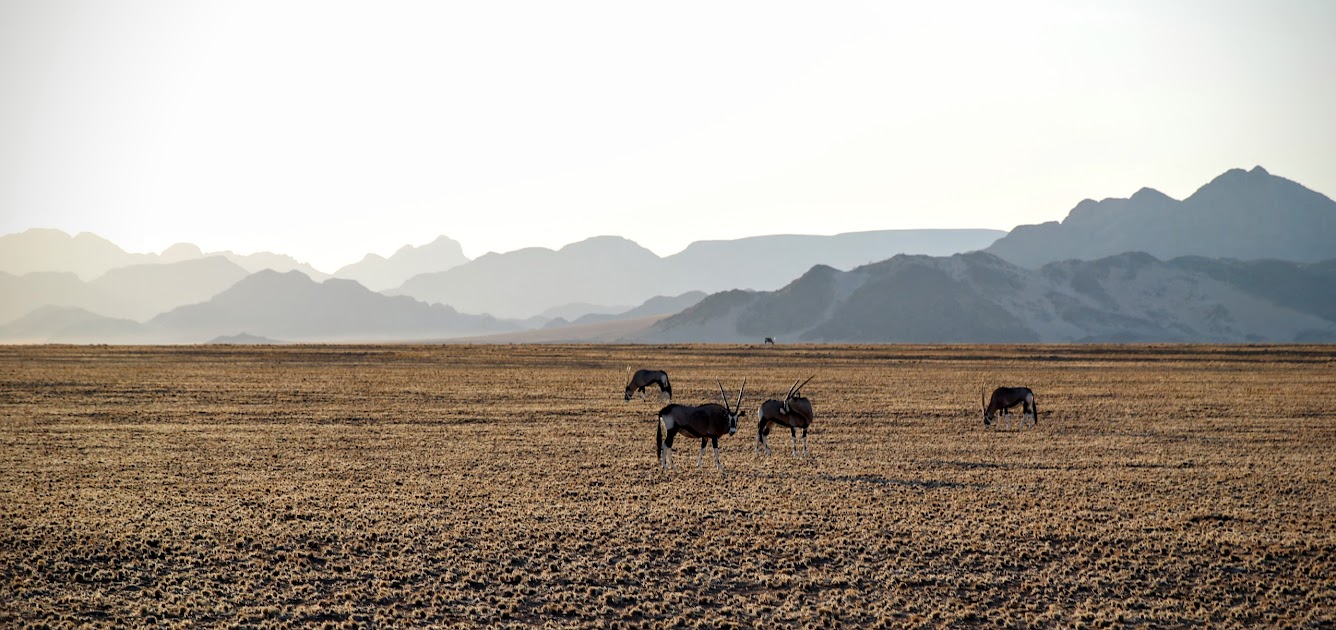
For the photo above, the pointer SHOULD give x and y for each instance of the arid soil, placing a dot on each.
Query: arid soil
(348, 486)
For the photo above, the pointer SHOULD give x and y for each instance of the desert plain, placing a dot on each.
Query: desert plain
(510, 485)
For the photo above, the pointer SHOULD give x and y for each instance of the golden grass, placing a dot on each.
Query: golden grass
(348, 486)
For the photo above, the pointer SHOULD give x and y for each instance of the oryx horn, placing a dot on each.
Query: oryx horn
(722, 394)
(799, 388)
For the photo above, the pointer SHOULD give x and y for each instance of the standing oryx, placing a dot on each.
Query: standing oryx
(644, 378)
(708, 422)
(794, 412)
(1005, 398)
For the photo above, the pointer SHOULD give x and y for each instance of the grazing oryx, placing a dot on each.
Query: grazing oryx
(644, 378)
(1005, 398)
(794, 412)
(708, 422)
(769, 341)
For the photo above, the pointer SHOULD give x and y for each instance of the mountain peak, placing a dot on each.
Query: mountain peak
(602, 239)
(1150, 194)
(441, 242)
(181, 251)
(443, 239)
(1241, 177)
(91, 237)
(273, 276)
(604, 244)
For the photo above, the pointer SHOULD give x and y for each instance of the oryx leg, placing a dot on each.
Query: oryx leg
(663, 447)
(805, 453)
(762, 433)
(793, 434)
(669, 464)
(715, 443)
(701, 460)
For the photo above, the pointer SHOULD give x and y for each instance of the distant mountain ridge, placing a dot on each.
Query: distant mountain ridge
(980, 298)
(89, 256)
(379, 273)
(70, 324)
(136, 292)
(264, 305)
(292, 307)
(659, 305)
(86, 255)
(1248, 215)
(615, 270)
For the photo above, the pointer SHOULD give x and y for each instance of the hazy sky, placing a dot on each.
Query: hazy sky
(327, 129)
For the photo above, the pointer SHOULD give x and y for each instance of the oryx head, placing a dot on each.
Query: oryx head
(733, 413)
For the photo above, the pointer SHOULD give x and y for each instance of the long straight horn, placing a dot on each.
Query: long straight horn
(799, 388)
(722, 394)
(791, 391)
(744, 388)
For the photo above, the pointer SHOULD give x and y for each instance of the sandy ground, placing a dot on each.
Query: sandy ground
(358, 486)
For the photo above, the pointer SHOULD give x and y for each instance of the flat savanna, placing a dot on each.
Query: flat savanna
(350, 486)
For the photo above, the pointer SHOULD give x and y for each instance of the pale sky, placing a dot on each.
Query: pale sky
(327, 130)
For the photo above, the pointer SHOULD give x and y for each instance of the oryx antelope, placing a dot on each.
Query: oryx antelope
(1003, 399)
(708, 422)
(644, 378)
(794, 412)
(769, 341)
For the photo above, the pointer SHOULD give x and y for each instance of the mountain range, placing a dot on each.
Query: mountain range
(980, 298)
(1247, 257)
(136, 292)
(614, 270)
(1247, 215)
(267, 304)
(89, 256)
